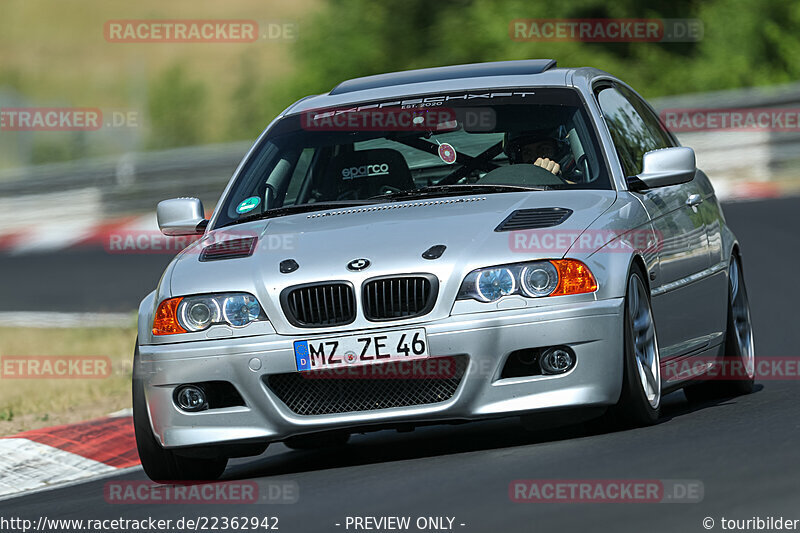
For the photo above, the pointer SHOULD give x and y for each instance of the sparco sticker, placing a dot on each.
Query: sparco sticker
(376, 169)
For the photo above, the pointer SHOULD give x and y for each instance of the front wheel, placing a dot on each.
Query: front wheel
(160, 464)
(640, 400)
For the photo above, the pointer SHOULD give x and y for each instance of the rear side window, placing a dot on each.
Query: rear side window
(632, 135)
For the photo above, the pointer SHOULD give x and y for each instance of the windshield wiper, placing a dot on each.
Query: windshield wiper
(446, 190)
(300, 208)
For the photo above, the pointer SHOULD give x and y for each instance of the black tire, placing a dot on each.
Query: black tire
(634, 409)
(732, 350)
(162, 465)
(316, 441)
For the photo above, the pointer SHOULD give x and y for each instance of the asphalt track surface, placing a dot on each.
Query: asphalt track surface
(82, 279)
(745, 450)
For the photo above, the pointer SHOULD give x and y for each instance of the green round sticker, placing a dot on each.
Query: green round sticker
(248, 204)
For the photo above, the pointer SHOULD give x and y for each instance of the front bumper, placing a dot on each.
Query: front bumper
(592, 329)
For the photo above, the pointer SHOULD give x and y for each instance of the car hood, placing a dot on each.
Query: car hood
(391, 236)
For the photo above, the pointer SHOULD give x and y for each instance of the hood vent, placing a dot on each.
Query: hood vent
(546, 217)
(229, 249)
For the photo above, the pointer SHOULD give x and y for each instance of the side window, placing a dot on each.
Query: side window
(652, 121)
(631, 135)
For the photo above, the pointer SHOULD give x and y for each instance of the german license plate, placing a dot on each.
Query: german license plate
(359, 350)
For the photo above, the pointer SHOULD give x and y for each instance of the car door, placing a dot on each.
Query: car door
(681, 302)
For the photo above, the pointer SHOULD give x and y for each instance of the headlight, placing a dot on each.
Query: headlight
(196, 313)
(539, 279)
(536, 279)
(240, 309)
(493, 284)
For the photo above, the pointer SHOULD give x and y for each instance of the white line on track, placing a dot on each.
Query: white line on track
(46, 319)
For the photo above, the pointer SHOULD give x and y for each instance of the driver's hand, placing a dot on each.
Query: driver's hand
(548, 164)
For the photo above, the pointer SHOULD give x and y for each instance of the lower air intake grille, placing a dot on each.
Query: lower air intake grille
(392, 298)
(319, 304)
(355, 389)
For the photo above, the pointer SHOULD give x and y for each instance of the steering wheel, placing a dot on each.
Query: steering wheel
(521, 174)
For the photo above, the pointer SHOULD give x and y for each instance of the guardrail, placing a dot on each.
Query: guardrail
(134, 182)
(763, 155)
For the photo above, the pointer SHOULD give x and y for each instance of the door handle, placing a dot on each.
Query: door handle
(694, 200)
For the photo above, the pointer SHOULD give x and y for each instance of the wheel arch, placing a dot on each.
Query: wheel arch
(736, 252)
(638, 260)
(145, 316)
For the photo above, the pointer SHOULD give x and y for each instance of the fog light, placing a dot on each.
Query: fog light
(191, 398)
(557, 360)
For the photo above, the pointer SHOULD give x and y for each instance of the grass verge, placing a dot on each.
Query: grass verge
(35, 402)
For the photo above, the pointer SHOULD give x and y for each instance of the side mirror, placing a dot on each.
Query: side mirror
(181, 216)
(668, 166)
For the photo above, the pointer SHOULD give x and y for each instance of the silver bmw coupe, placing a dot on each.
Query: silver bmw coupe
(447, 244)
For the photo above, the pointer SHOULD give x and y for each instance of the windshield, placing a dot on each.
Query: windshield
(443, 144)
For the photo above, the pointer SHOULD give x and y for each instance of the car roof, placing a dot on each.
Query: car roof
(492, 75)
(453, 72)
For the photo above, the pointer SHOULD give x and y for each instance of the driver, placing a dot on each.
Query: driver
(538, 148)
